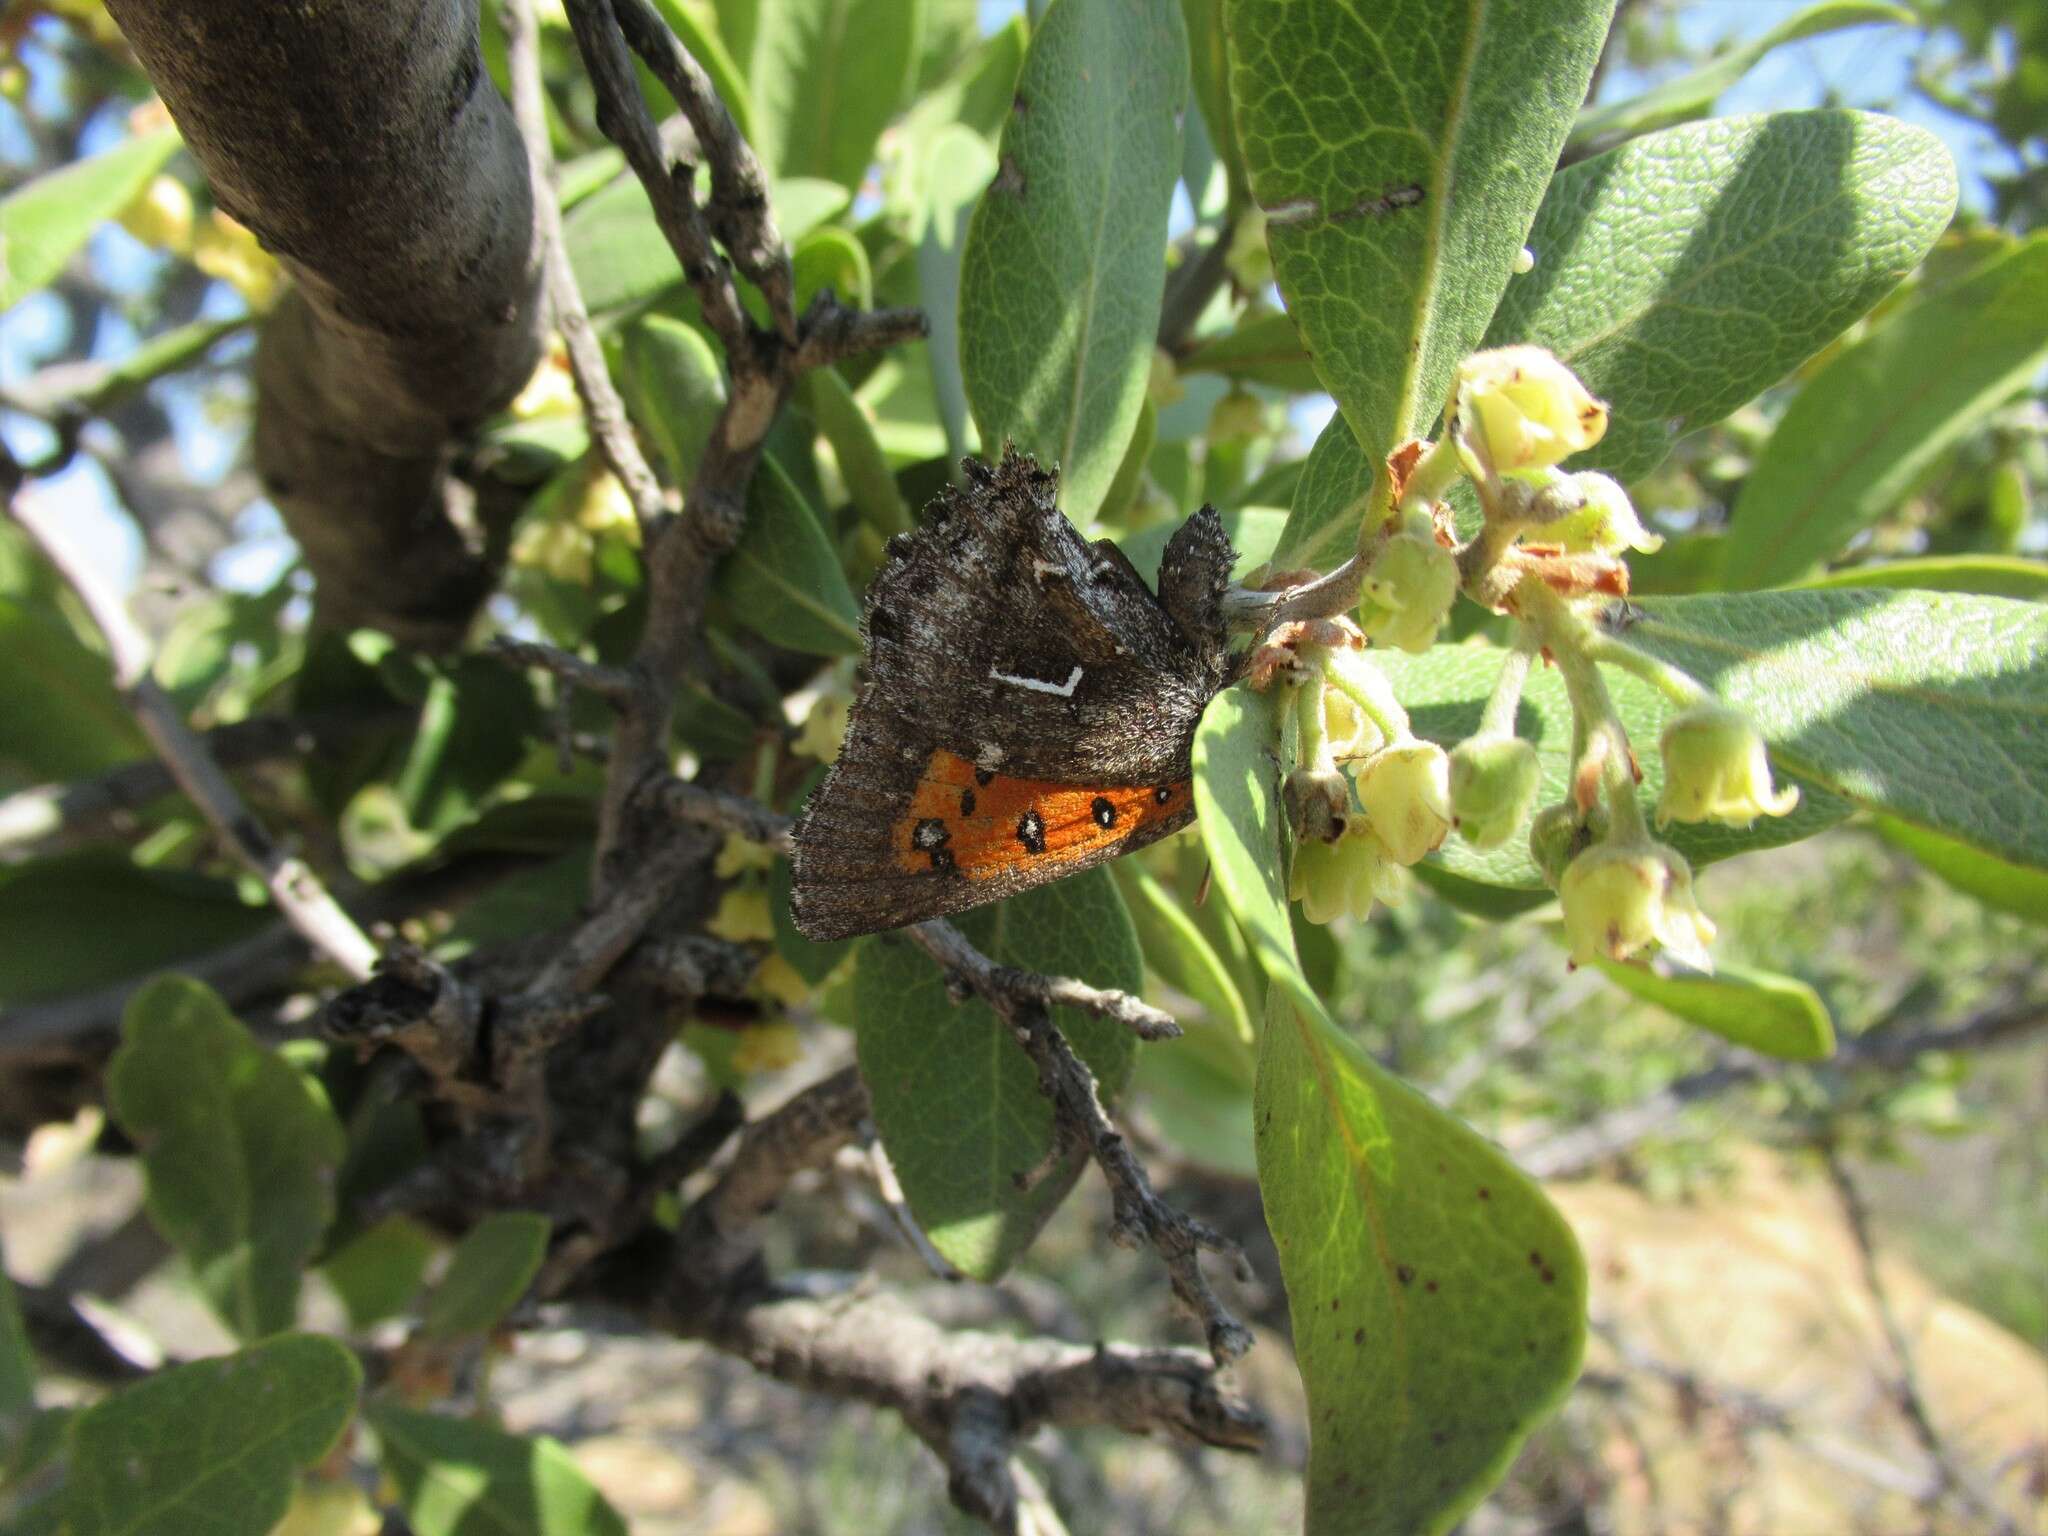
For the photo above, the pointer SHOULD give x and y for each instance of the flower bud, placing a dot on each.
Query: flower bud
(161, 215)
(1520, 409)
(742, 916)
(1716, 769)
(1606, 524)
(824, 726)
(1560, 833)
(1406, 792)
(1237, 416)
(1620, 898)
(1344, 878)
(1408, 592)
(1494, 780)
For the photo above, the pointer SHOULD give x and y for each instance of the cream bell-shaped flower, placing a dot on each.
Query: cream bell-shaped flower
(1406, 791)
(1621, 898)
(1521, 410)
(1408, 591)
(1607, 524)
(1344, 878)
(1494, 780)
(1716, 769)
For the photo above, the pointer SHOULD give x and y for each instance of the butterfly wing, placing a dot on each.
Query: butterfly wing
(1028, 713)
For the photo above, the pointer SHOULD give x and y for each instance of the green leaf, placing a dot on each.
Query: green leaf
(957, 170)
(43, 221)
(1438, 1299)
(1209, 70)
(1065, 262)
(1264, 350)
(672, 382)
(827, 76)
(1864, 430)
(2021, 889)
(783, 580)
(1444, 691)
(472, 733)
(60, 714)
(1986, 575)
(1932, 706)
(956, 1102)
(1199, 1093)
(17, 1370)
(1687, 271)
(862, 465)
(1399, 152)
(616, 250)
(379, 1271)
(1331, 496)
(459, 1477)
(976, 97)
(1777, 1015)
(832, 258)
(240, 1150)
(1237, 799)
(493, 1265)
(211, 1446)
(54, 913)
(1694, 93)
(1177, 949)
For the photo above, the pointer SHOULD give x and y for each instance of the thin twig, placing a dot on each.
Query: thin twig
(1000, 985)
(750, 819)
(1323, 598)
(614, 685)
(299, 895)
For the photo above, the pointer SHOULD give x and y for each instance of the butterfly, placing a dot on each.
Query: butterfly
(1029, 710)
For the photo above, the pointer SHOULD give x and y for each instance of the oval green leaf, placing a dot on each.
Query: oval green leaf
(1986, 575)
(2021, 889)
(1065, 261)
(1864, 430)
(1777, 1015)
(460, 1477)
(783, 579)
(957, 1103)
(1399, 151)
(1684, 273)
(43, 221)
(826, 76)
(213, 1446)
(493, 1265)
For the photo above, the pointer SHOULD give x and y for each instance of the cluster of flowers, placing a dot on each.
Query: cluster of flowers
(1370, 799)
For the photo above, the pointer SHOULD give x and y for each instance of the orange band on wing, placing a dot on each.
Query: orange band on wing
(977, 823)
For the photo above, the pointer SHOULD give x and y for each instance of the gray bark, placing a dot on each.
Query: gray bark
(364, 144)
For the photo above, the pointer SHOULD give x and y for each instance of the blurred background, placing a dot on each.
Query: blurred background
(1820, 1293)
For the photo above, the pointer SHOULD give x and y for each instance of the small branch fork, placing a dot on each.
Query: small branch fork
(299, 895)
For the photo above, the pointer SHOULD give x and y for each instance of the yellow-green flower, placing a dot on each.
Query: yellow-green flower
(1344, 878)
(1494, 780)
(1607, 524)
(1408, 592)
(1521, 410)
(1406, 792)
(1621, 898)
(1716, 769)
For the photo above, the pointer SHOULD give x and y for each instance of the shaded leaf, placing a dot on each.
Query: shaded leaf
(60, 714)
(672, 382)
(1928, 705)
(2021, 889)
(211, 1446)
(43, 221)
(956, 1101)
(472, 732)
(378, 1272)
(1863, 431)
(1265, 350)
(1065, 261)
(1180, 953)
(1399, 152)
(459, 1477)
(783, 580)
(17, 1370)
(493, 1265)
(240, 1150)
(1685, 272)
(826, 77)
(1778, 1015)
(844, 424)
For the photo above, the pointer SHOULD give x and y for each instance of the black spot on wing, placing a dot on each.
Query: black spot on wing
(1031, 831)
(1103, 812)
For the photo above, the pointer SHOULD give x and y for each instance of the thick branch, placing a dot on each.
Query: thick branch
(364, 145)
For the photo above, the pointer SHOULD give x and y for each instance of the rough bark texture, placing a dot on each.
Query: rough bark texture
(364, 144)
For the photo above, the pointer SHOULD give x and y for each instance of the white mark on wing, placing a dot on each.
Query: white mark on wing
(1036, 685)
(1044, 568)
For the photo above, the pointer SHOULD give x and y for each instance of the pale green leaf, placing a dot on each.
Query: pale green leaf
(1930, 705)
(378, 1272)
(1694, 93)
(459, 1477)
(956, 1101)
(675, 389)
(1399, 151)
(1237, 790)
(844, 424)
(1180, 953)
(830, 257)
(210, 1447)
(2021, 889)
(1685, 272)
(1264, 350)
(826, 78)
(1066, 253)
(783, 579)
(1777, 1015)
(1438, 1298)
(493, 1265)
(240, 1150)
(43, 221)
(957, 170)
(1986, 575)
(1862, 432)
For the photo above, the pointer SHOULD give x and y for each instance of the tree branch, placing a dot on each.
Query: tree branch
(364, 145)
(293, 886)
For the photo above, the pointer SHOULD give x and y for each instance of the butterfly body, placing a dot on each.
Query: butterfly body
(1029, 709)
